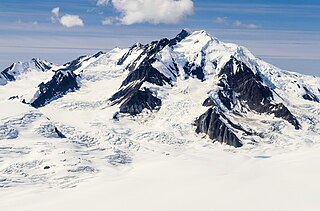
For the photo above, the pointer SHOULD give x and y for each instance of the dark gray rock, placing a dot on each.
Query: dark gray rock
(147, 73)
(139, 101)
(194, 70)
(208, 102)
(132, 99)
(310, 96)
(181, 36)
(5, 73)
(150, 50)
(250, 92)
(135, 47)
(59, 133)
(41, 64)
(211, 124)
(77, 63)
(61, 83)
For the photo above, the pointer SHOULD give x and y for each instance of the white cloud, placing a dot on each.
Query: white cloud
(55, 13)
(221, 20)
(153, 11)
(71, 21)
(66, 20)
(20, 22)
(102, 2)
(109, 21)
(243, 25)
(252, 26)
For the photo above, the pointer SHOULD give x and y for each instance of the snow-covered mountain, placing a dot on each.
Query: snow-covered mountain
(161, 97)
(13, 72)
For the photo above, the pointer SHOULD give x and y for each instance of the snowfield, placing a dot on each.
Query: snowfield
(79, 152)
(200, 178)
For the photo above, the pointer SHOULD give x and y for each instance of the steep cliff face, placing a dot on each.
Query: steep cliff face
(61, 83)
(309, 95)
(133, 100)
(142, 99)
(81, 62)
(239, 80)
(218, 127)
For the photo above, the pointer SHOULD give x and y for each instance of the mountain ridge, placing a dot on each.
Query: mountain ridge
(241, 84)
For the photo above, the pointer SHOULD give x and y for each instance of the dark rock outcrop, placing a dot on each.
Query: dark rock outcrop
(42, 65)
(5, 73)
(310, 96)
(135, 47)
(77, 63)
(61, 83)
(133, 100)
(59, 133)
(139, 101)
(146, 73)
(181, 36)
(217, 127)
(150, 50)
(208, 102)
(195, 70)
(238, 79)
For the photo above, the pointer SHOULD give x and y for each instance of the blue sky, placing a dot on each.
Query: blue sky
(285, 33)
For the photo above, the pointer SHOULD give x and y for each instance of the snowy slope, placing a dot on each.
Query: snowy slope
(154, 116)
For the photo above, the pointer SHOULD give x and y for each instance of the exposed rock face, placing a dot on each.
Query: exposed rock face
(238, 79)
(139, 101)
(132, 98)
(5, 73)
(134, 101)
(208, 102)
(61, 83)
(146, 73)
(149, 51)
(310, 96)
(217, 127)
(135, 47)
(182, 35)
(41, 65)
(194, 70)
(77, 63)
(60, 135)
